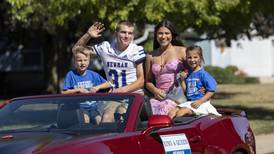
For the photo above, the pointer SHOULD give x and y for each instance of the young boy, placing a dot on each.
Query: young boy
(82, 80)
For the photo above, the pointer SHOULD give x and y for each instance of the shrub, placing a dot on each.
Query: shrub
(252, 80)
(220, 75)
(230, 74)
(231, 68)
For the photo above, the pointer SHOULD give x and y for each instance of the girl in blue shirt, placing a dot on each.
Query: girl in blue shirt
(195, 79)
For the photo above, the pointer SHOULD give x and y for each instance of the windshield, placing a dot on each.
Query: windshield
(77, 113)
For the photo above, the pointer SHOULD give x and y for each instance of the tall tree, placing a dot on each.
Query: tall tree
(58, 23)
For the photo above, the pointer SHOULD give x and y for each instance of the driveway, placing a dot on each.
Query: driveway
(265, 144)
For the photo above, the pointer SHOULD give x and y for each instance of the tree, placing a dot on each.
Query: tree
(59, 23)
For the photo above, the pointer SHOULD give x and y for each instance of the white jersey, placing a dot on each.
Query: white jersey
(120, 67)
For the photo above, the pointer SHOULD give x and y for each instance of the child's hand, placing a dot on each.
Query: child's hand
(202, 90)
(83, 90)
(184, 74)
(196, 104)
(94, 89)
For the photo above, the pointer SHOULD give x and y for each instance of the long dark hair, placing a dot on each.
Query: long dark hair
(166, 23)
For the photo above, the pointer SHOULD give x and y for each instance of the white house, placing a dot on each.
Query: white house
(255, 57)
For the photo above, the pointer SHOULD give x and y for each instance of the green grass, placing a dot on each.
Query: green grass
(262, 126)
(256, 100)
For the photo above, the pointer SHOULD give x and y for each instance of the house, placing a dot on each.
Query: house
(254, 57)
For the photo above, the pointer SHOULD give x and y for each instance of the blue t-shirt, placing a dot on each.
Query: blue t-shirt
(75, 80)
(195, 81)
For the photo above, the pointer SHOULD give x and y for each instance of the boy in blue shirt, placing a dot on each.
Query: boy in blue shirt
(82, 80)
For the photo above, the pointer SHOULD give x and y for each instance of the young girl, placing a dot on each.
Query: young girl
(196, 77)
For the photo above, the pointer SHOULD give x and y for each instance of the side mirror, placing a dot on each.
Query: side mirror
(156, 122)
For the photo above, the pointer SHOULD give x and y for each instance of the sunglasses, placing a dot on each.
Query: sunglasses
(118, 116)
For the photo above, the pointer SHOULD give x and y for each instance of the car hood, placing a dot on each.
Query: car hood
(31, 142)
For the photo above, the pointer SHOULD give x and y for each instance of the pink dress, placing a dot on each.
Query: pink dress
(164, 80)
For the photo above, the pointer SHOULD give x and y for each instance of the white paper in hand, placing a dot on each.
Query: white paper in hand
(176, 93)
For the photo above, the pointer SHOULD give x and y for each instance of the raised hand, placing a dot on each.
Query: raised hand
(95, 30)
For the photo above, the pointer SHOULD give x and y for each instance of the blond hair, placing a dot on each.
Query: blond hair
(83, 50)
(122, 105)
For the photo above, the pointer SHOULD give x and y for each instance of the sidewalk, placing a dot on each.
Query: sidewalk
(265, 144)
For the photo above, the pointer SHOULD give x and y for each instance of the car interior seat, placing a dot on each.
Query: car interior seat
(69, 114)
(144, 114)
(146, 110)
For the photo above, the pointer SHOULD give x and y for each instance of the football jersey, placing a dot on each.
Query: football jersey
(120, 67)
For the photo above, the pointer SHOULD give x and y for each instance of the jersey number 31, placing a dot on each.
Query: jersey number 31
(115, 76)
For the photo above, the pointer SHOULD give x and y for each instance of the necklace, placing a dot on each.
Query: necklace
(162, 62)
(164, 53)
(162, 65)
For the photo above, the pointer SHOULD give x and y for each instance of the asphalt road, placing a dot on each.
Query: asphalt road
(265, 144)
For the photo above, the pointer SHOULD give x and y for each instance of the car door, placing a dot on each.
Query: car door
(161, 135)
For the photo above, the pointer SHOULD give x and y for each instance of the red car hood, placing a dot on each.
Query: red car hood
(48, 142)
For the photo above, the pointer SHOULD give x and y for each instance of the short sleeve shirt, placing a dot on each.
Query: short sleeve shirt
(120, 67)
(195, 81)
(87, 81)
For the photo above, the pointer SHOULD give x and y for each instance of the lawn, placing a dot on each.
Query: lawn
(256, 100)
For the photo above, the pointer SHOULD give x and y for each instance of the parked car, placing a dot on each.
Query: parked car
(60, 124)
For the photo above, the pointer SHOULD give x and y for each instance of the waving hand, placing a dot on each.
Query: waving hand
(95, 30)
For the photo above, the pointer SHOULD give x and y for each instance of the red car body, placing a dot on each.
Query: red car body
(142, 133)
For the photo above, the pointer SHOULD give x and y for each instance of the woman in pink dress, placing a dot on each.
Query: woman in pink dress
(162, 65)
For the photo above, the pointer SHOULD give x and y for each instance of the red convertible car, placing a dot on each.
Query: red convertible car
(64, 124)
